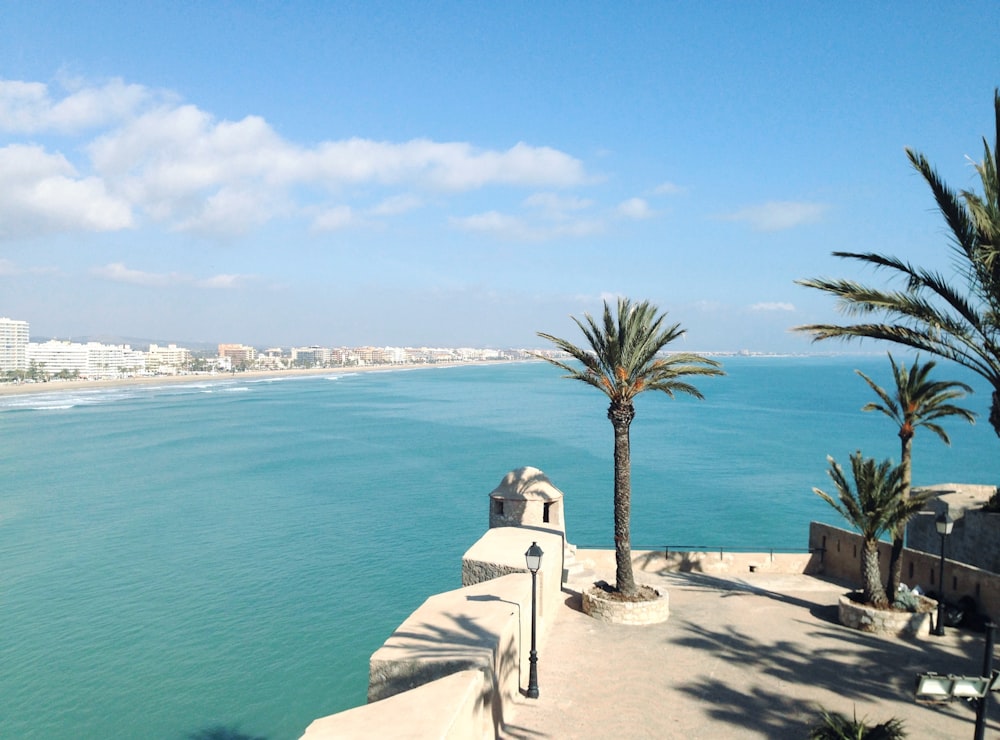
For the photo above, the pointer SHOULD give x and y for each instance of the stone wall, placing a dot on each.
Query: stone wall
(459, 712)
(841, 558)
(463, 653)
(974, 539)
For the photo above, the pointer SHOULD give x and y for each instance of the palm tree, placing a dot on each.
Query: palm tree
(835, 726)
(874, 506)
(959, 321)
(621, 361)
(917, 402)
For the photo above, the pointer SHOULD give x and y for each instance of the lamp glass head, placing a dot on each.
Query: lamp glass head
(533, 557)
(944, 524)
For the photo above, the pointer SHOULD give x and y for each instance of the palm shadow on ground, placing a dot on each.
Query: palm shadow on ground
(854, 668)
(459, 642)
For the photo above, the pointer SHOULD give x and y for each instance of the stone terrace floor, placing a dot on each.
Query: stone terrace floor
(752, 656)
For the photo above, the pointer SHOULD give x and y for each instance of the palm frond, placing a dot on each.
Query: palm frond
(622, 356)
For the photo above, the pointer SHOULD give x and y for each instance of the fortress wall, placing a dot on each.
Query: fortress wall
(841, 558)
(435, 656)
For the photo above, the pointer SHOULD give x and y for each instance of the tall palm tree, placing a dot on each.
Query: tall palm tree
(960, 320)
(916, 402)
(874, 506)
(621, 361)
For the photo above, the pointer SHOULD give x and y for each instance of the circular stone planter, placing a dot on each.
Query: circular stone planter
(599, 605)
(885, 621)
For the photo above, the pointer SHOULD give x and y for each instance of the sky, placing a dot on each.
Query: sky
(469, 174)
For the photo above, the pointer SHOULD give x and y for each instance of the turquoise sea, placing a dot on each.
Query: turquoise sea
(219, 560)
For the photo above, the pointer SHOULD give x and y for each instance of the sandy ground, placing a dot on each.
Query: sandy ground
(741, 658)
(55, 386)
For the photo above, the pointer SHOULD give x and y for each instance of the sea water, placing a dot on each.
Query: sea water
(219, 560)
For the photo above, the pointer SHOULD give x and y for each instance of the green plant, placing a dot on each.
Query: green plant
(873, 506)
(906, 601)
(915, 401)
(834, 726)
(959, 319)
(621, 361)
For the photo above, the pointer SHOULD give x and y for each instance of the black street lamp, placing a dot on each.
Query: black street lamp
(943, 524)
(533, 559)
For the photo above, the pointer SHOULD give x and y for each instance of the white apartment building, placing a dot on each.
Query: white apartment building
(91, 360)
(114, 360)
(13, 345)
(158, 358)
(312, 356)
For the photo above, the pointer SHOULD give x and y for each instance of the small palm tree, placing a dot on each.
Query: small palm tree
(957, 320)
(622, 361)
(916, 402)
(874, 506)
(835, 726)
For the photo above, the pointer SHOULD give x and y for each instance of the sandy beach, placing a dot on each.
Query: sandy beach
(55, 386)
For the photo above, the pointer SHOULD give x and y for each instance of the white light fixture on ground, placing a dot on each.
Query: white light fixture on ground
(936, 688)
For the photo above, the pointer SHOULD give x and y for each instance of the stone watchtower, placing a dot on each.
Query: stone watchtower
(527, 498)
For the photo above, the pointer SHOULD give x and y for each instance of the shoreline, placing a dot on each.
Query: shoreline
(57, 386)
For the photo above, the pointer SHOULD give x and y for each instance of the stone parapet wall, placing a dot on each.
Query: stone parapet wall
(500, 552)
(731, 563)
(974, 538)
(459, 712)
(841, 559)
(712, 562)
(474, 628)
(462, 656)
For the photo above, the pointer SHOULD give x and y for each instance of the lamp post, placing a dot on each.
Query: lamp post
(943, 524)
(533, 559)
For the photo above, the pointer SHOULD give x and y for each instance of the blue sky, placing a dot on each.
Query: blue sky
(466, 174)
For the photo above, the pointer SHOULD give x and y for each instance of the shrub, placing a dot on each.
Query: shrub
(834, 726)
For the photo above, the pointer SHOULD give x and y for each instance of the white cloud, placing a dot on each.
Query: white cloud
(495, 223)
(513, 227)
(28, 107)
(222, 281)
(455, 166)
(557, 206)
(668, 188)
(43, 193)
(779, 215)
(8, 268)
(396, 205)
(772, 306)
(334, 219)
(636, 208)
(117, 272)
(178, 165)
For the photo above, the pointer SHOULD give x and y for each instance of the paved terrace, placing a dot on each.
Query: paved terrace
(749, 656)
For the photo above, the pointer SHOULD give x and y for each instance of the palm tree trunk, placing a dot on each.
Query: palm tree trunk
(896, 559)
(995, 412)
(621, 415)
(871, 575)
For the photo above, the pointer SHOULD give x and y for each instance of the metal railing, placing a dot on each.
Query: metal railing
(721, 549)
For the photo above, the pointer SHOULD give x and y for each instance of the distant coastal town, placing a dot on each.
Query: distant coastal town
(25, 361)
